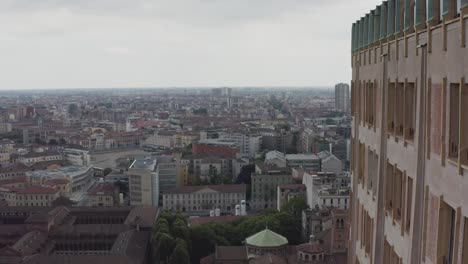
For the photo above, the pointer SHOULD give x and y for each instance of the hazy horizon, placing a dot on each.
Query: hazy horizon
(52, 44)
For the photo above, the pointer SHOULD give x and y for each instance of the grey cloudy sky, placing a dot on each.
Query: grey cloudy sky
(159, 43)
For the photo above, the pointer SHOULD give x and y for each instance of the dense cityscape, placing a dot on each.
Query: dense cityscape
(175, 175)
(354, 153)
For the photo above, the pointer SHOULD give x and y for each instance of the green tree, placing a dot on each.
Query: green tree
(295, 206)
(290, 227)
(179, 229)
(166, 245)
(180, 254)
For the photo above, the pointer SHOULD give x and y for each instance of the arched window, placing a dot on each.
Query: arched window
(314, 257)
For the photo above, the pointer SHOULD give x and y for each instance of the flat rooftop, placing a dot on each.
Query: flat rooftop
(66, 171)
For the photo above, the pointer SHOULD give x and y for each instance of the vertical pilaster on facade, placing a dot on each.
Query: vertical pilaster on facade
(428, 118)
(444, 121)
(461, 146)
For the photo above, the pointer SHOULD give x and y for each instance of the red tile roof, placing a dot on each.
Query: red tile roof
(54, 182)
(20, 179)
(102, 189)
(17, 167)
(34, 189)
(310, 247)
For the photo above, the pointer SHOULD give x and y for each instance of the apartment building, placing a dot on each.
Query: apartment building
(205, 198)
(342, 98)
(327, 189)
(265, 182)
(409, 141)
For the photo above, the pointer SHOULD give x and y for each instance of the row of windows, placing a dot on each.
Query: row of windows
(232, 201)
(402, 114)
(26, 197)
(202, 195)
(366, 230)
(399, 196)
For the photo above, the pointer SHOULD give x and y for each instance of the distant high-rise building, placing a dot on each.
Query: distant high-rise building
(409, 146)
(342, 99)
(144, 182)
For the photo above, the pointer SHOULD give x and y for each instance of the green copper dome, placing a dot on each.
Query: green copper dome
(267, 238)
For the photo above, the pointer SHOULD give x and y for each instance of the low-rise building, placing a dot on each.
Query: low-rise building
(327, 189)
(63, 185)
(80, 177)
(287, 192)
(327, 224)
(13, 171)
(77, 156)
(270, 247)
(329, 162)
(205, 198)
(32, 195)
(33, 157)
(215, 147)
(305, 161)
(103, 195)
(75, 235)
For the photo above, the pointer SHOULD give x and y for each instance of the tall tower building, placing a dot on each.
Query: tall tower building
(409, 147)
(342, 100)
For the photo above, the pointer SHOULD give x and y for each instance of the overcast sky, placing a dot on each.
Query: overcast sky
(160, 43)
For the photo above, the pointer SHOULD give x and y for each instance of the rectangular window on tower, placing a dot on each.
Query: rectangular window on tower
(464, 125)
(397, 193)
(389, 187)
(410, 111)
(391, 109)
(409, 204)
(399, 111)
(465, 242)
(454, 121)
(446, 233)
(370, 104)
